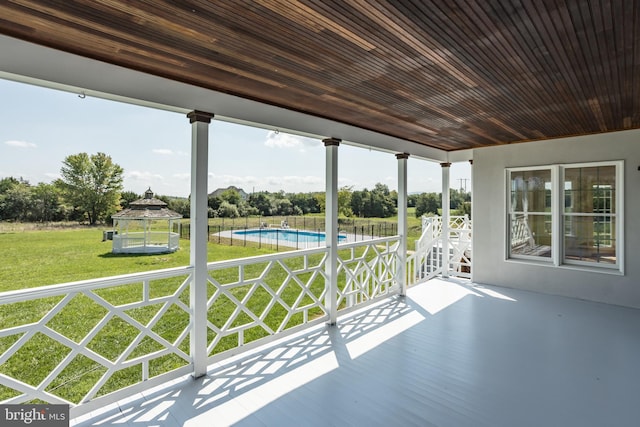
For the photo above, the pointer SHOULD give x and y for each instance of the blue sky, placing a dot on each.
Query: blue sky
(39, 127)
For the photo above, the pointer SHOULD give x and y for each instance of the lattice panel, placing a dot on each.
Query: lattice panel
(460, 250)
(260, 297)
(366, 271)
(77, 342)
(427, 260)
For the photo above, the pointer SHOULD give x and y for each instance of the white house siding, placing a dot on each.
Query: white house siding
(489, 212)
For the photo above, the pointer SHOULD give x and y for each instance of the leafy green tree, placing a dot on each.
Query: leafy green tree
(378, 203)
(214, 202)
(92, 184)
(16, 200)
(227, 210)
(232, 196)
(314, 204)
(126, 197)
(180, 205)
(306, 202)
(358, 203)
(465, 209)
(382, 203)
(281, 206)
(46, 203)
(7, 183)
(344, 201)
(457, 198)
(261, 202)
(246, 210)
(427, 203)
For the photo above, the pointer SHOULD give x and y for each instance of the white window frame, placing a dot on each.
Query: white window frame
(618, 215)
(510, 211)
(557, 218)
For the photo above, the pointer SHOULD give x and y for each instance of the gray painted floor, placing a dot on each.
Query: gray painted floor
(449, 354)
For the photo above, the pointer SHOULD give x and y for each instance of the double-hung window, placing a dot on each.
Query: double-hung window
(566, 214)
(530, 221)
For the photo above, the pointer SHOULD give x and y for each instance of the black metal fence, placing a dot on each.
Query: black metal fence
(244, 231)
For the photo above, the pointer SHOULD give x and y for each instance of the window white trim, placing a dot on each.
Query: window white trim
(558, 218)
(510, 211)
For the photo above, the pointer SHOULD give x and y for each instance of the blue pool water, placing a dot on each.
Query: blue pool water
(299, 236)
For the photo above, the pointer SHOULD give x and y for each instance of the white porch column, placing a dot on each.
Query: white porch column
(331, 227)
(445, 218)
(471, 219)
(402, 222)
(198, 238)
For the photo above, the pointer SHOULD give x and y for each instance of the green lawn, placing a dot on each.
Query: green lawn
(37, 258)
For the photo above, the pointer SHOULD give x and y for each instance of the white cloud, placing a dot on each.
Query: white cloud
(182, 176)
(168, 152)
(20, 144)
(222, 181)
(143, 176)
(285, 140)
(249, 183)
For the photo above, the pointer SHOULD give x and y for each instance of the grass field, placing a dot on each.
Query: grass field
(38, 258)
(35, 257)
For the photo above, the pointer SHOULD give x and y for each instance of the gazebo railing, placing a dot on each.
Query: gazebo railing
(162, 240)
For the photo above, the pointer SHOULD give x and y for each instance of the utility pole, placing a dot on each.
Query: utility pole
(465, 183)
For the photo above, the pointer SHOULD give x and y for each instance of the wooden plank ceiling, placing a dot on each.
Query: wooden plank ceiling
(449, 74)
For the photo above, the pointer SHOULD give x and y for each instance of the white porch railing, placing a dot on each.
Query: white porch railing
(93, 342)
(256, 298)
(76, 343)
(427, 259)
(369, 269)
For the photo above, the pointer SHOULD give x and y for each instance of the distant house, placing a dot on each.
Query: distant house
(217, 193)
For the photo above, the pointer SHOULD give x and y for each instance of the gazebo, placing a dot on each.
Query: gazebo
(147, 226)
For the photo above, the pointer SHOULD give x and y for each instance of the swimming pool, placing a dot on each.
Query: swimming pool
(293, 236)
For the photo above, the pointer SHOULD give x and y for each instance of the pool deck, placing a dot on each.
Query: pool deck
(227, 234)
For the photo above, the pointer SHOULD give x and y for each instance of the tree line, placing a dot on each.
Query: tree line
(378, 202)
(90, 190)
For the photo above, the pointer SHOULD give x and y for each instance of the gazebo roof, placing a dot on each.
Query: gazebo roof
(147, 208)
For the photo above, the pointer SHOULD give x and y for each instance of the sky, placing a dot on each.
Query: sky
(40, 127)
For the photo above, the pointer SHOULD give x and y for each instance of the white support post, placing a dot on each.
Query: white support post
(402, 222)
(445, 218)
(199, 238)
(471, 219)
(331, 227)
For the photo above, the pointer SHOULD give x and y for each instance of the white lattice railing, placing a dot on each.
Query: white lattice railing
(79, 342)
(460, 251)
(254, 300)
(93, 342)
(369, 269)
(427, 259)
(259, 297)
